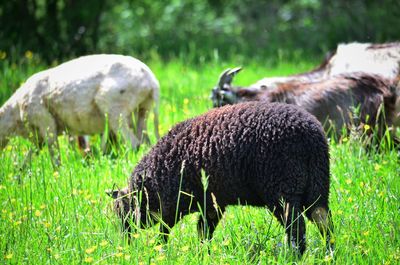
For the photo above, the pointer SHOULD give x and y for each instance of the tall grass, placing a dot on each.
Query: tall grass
(65, 217)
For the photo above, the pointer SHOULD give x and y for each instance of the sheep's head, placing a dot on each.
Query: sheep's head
(224, 93)
(122, 205)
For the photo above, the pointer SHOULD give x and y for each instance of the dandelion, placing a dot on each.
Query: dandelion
(185, 248)
(28, 55)
(47, 224)
(91, 250)
(18, 223)
(3, 55)
(158, 247)
(9, 256)
(88, 259)
(349, 181)
(328, 258)
(38, 213)
(366, 233)
(350, 199)
(366, 127)
(226, 242)
(160, 258)
(103, 243)
(136, 236)
(119, 254)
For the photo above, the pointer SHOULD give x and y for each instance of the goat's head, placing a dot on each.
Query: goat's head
(224, 93)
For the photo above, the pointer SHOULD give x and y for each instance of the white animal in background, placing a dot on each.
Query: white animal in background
(78, 97)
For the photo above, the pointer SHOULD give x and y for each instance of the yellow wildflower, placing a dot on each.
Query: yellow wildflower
(38, 213)
(120, 248)
(103, 243)
(366, 127)
(160, 258)
(90, 250)
(185, 101)
(127, 257)
(88, 259)
(350, 199)
(349, 181)
(185, 248)
(28, 55)
(9, 256)
(366, 233)
(3, 55)
(119, 254)
(136, 236)
(42, 206)
(158, 247)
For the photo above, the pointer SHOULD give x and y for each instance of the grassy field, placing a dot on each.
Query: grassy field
(65, 217)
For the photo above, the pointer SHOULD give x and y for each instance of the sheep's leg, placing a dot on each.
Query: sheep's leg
(142, 127)
(43, 121)
(165, 227)
(322, 217)
(206, 226)
(295, 226)
(120, 121)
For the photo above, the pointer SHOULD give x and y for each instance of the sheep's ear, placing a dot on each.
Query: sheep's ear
(112, 193)
(227, 76)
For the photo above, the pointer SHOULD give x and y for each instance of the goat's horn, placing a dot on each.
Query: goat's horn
(223, 78)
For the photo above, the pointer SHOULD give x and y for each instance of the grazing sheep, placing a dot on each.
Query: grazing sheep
(77, 95)
(338, 101)
(273, 155)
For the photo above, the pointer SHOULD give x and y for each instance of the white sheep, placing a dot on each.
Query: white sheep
(78, 97)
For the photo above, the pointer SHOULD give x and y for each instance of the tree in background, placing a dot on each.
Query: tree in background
(56, 29)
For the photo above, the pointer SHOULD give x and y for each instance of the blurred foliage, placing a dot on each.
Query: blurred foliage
(195, 29)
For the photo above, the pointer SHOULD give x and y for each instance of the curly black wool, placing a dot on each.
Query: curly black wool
(253, 153)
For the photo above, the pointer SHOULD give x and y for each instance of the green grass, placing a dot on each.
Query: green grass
(65, 217)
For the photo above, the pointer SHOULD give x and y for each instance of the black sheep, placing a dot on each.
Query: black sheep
(273, 155)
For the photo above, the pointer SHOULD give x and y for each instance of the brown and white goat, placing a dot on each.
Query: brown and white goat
(342, 100)
(381, 59)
